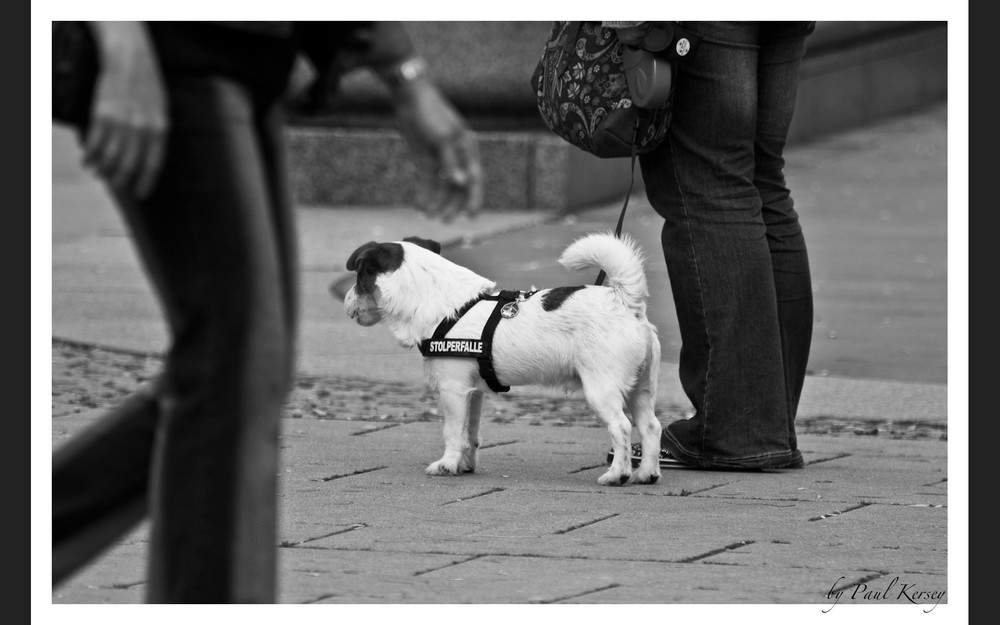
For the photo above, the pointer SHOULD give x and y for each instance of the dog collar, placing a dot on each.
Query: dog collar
(437, 346)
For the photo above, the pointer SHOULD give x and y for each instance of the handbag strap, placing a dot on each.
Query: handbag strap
(621, 217)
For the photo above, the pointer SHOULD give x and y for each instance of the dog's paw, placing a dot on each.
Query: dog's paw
(644, 477)
(613, 478)
(442, 467)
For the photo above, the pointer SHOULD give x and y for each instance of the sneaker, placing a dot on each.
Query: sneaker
(670, 445)
(666, 460)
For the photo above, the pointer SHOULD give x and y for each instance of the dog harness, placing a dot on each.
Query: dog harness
(482, 348)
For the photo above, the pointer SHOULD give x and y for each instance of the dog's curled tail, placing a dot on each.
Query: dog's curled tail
(620, 258)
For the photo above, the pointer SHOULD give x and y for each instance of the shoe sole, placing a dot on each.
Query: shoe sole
(670, 463)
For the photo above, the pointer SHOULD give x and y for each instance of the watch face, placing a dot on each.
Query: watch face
(409, 71)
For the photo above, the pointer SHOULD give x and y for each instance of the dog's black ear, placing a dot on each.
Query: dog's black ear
(352, 261)
(372, 259)
(433, 246)
(375, 257)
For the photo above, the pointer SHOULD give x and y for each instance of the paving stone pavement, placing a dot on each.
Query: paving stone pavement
(361, 523)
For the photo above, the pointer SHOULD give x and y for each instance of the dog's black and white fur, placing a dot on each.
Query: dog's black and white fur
(594, 338)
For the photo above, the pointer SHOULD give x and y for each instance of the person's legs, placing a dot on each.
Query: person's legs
(211, 234)
(99, 483)
(782, 48)
(216, 239)
(702, 181)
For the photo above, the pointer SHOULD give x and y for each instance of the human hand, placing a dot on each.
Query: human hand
(629, 33)
(126, 141)
(445, 150)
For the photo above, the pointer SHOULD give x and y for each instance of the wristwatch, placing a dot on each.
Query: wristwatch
(406, 71)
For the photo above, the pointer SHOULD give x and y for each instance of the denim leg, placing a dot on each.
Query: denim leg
(225, 290)
(98, 495)
(782, 47)
(216, 240)
(717, 242)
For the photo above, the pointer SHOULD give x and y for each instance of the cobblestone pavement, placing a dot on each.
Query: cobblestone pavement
(86, 377)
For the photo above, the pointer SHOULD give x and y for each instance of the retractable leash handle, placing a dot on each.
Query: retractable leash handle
(649, 77)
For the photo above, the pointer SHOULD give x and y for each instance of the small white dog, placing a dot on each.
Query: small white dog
(592, 337)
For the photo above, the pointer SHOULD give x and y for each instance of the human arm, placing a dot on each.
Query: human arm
(126, 138)
(443, 147)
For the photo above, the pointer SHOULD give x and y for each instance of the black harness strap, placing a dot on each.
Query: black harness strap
(486, 360)
(481, 349)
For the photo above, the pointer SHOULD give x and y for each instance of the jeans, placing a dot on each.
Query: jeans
(197, 450)
(734, 249)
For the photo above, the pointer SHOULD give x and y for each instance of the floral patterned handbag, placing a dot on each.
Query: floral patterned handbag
(582, 91)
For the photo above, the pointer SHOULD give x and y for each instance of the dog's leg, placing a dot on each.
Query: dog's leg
(475, 411)
(607, 403)
(641, 403)
(455, 402)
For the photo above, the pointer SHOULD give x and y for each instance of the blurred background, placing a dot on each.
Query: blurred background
(853, 73)
(867, 164)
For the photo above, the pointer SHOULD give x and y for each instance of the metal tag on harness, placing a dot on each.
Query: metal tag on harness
(509, 310)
